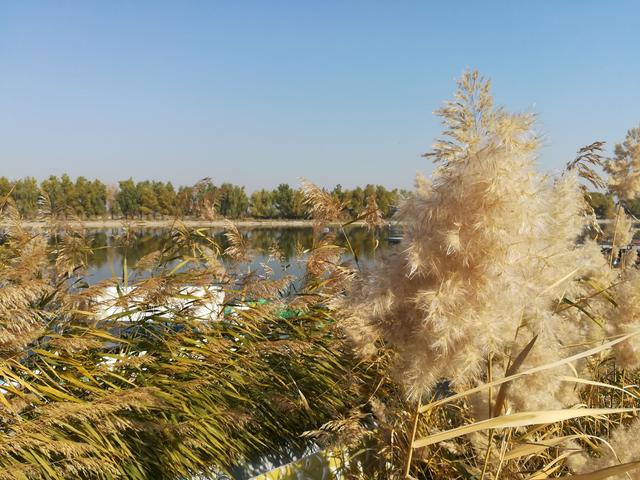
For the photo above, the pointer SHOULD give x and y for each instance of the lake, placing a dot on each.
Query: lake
(108, 252)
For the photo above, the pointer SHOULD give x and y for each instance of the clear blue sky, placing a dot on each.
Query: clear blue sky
(259, 93)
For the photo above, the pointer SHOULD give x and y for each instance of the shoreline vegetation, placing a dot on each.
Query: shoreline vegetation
(62, 197)
(155, 204)
(221, 223)
(190, 223)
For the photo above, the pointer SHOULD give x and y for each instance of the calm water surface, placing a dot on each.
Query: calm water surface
(109, 253)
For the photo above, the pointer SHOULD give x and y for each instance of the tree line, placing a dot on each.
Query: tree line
(147, 199)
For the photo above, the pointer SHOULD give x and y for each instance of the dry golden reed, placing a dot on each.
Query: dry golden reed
(497, 340)
(496, 276)
(489, 251)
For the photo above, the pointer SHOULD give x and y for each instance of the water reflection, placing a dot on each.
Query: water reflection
(109, 251)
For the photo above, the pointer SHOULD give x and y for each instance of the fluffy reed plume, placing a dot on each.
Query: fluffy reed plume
(325, 256)
(372, 215)
(237, 249)
(493, 280)
(323, 207)
(625, 318)
(489, 250)
(202, 201)
(22, 259)
(619, 232)
(622, 449)
(588, 157)
(324, 261)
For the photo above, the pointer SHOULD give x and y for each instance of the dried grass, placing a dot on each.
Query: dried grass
(491, 344)
(492, 296)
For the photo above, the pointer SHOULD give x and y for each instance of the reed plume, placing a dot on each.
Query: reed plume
(489, 250)
(497, 280)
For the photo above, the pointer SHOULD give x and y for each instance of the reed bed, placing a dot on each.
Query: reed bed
(497, 341)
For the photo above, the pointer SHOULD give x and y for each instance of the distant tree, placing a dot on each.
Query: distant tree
(385, 200)
(283, 200)
(147, 199)
(127, 198)
(289, 203)
(183, 201)
(299, 207)
(53, 189)
(6, 186)
(262, 204)
(337, 192)
(233, 201)
(91, 199)
(26, 193)
(112, 205)
(357, 201)
(97, 199)
(86, 198)
(602, 204)
(166, 196)
(632, 207)
(69, 194)
(68, 197)
(200, 200)
(82, 205)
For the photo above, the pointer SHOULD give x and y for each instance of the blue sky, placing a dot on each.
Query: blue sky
(259, 93)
